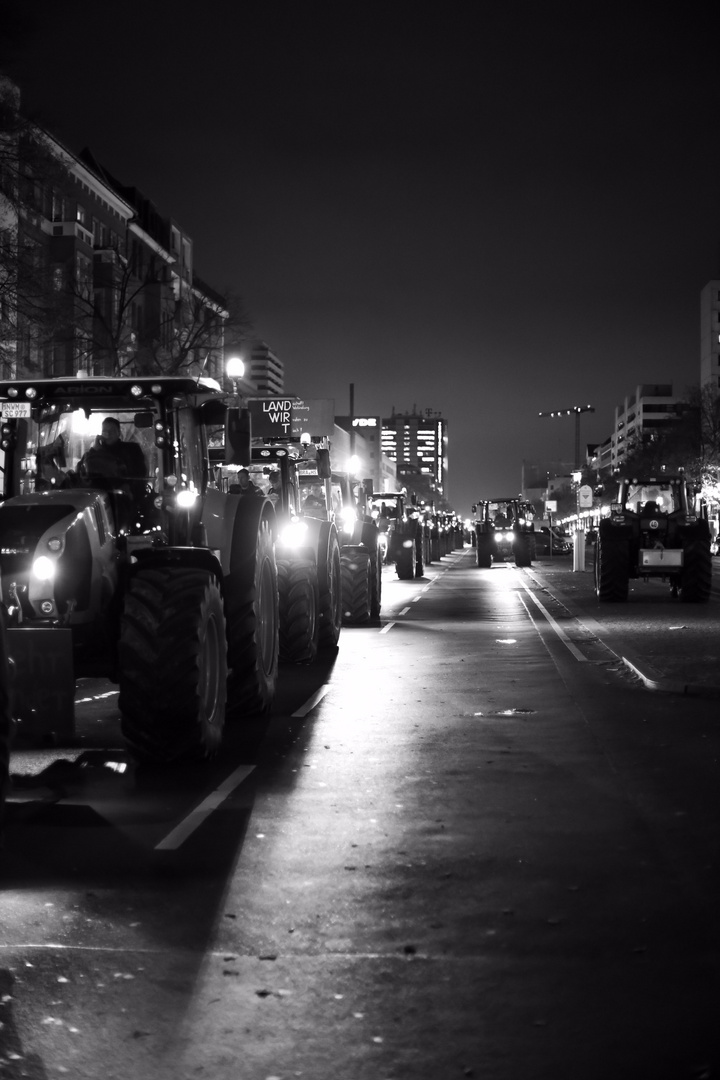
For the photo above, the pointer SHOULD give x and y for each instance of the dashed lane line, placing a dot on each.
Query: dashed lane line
(312, 701)
(177, 836)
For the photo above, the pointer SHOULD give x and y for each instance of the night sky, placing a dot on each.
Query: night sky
(488, 211)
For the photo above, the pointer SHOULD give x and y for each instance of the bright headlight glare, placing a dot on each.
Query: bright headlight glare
(186, 498)
(44, 568)
(348, 515)
(294, 534)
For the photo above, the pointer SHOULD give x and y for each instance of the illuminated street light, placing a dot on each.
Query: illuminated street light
(576, 411)
(234, 369)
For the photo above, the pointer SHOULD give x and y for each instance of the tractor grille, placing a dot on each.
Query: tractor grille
(20, 530)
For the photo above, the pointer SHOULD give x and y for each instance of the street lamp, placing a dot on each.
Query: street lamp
(575, 410)
(234, 369)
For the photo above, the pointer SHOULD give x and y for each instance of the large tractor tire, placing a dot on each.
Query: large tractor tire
(173, 663)
(370, 538)
(612, 569)
(330, 590)
(253, 618)
(521, 551)
(299, 597)
(419, 566)
(696, 581)
(356, 578)
(483, 550)
(405, 562)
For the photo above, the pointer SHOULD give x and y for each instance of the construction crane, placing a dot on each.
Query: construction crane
(576, 411)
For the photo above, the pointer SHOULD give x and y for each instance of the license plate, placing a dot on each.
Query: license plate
(13, 409)
(661, 558)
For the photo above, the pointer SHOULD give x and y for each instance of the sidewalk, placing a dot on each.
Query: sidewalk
(672, 646)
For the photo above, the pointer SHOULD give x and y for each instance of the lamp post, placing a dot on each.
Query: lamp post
(577, 410)
(235, 369)
(579, 534)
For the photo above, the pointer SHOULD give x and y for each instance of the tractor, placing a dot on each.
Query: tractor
(134, 562)
(399, 521)
(504, 528)
(657, 528)
(291, 463)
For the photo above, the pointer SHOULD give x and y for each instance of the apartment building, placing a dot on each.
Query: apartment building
(710, 335)
(102, 282)
(266, 371)
(652, 407)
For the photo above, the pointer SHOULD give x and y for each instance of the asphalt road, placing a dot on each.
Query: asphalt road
(476, 843)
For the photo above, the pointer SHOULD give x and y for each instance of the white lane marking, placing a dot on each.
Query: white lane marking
(416, 598)
(195, 818)
(387, 627)
(404, 611)
(558, 629)
(97, 697)
(311, 702)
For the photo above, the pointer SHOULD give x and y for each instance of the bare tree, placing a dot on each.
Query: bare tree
(32, 313)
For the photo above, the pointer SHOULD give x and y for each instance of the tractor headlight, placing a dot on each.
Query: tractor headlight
(186, 498)
(55, 544)
(44, 568)
(294, 534)
(348, 518)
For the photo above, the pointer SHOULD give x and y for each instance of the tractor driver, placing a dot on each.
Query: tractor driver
(111, 459)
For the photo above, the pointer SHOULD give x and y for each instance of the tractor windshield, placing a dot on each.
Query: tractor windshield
(53, 450)
(648, 498)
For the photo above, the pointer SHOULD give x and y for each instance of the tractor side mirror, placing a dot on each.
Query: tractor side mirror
(323, 463)
(237, 437)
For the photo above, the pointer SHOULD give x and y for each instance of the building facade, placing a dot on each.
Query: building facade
(100, 281)
(710, 335)
(364, 441)
(266, 371)
(651, 408)
(418, 443)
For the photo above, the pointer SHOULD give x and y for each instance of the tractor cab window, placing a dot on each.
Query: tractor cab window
(51, 450)
(649, 499)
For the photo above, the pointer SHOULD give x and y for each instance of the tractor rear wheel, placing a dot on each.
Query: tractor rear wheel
(252, 614)
(299, 616)
(330, 595)
(696, 580)
(612, 569)
(521, 551)
(405, 563)
(419, 567)
(173, 663)
(484, 550)
(356, 575)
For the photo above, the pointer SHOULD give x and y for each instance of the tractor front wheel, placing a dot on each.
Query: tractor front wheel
(173, 664)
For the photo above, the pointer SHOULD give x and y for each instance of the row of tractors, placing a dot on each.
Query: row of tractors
(653, 527)
(185, 561)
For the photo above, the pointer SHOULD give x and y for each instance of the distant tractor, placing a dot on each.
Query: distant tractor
(399, 520)
(657, 528)
(504, 528)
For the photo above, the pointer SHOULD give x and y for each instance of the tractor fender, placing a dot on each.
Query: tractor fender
(247, 519)
(189, 557)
